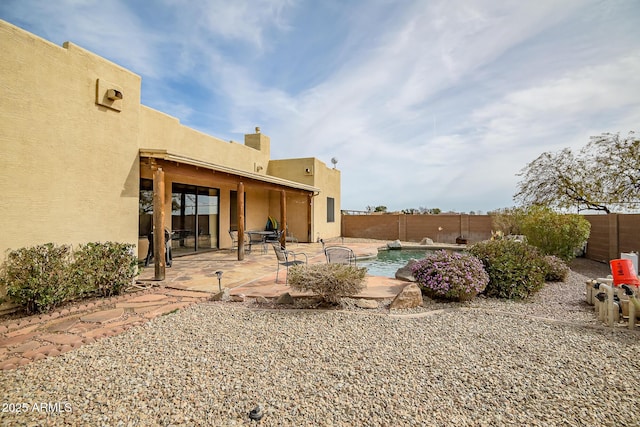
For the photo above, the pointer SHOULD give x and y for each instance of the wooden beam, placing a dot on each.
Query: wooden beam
(283, 217)
(240, 209)
(158, 224)
(212, 177)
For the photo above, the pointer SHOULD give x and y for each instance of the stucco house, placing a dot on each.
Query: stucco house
(80, 154)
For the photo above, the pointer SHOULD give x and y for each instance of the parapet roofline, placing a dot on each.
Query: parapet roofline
(171, 157)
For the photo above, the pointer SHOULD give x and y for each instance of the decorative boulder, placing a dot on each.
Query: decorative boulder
(285, 299)
(261, 300)
(367, 303)
(410, 297)
(220, 296)
(237, 298)
(426, 241)
(406, 273)
(394, 245)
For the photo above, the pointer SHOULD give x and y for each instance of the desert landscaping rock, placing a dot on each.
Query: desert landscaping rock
(285, 299)
(410, 297)
(545, 361)
(406, 273)
(367, 303)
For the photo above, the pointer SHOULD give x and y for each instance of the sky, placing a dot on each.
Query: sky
(424, 103)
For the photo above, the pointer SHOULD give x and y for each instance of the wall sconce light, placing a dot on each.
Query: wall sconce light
(114, 94)
(219, 274)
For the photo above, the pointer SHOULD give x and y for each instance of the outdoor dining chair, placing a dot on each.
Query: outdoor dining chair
(287, 258)
(340, 255)
(167, 249)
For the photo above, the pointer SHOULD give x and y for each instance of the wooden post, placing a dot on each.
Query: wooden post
(240, 221)
(158, 224)
(309, 210)
(283, 217)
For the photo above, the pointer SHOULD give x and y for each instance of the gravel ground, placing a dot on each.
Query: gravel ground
(539, 363)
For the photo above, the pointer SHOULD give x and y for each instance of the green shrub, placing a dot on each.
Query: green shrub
(330, 281)
(103, 268)
(36, 278)
(556, 269)
(454, 276)
(42, 277)
(516, 270)
(562, 235)
(507, 221)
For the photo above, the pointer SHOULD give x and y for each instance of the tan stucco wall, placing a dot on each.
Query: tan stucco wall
(69, 167)
(161, 131)
(312, 171)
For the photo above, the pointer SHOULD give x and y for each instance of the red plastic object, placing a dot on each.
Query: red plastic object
(623, 272)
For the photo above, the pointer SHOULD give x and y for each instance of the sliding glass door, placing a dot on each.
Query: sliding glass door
(194, 217)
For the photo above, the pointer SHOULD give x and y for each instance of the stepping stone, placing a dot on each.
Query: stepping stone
(189, 294)
(22, 331)
(103, 316)
(80, 327)
(166, 309)
(132, 306)
(43, 350)
(62, 325)
(17, 340)
(127, 322)
(148, 298)
(12, 363)
(63, 339)
(29, 345)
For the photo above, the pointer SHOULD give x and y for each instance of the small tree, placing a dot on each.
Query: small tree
(604, 175)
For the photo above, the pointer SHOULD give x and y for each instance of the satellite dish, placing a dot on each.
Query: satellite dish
(334, 161)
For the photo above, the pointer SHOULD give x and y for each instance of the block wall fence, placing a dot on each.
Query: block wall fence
(610, 234)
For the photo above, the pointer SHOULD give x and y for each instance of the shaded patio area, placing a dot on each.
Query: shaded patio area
(255, 275)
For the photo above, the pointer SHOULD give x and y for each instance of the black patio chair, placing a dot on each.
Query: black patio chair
(340, 255)
(287, 258)
(167, 249)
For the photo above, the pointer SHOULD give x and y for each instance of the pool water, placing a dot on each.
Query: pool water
(388, 262)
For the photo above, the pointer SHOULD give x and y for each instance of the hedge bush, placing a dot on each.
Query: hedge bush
(556, 269)
(42, 277)
(103, 268)
(36, 278)
(454, 276)
(562, 235)
(516, 270)
(330, 281)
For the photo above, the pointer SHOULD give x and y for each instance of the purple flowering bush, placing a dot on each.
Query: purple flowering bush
(454, 276)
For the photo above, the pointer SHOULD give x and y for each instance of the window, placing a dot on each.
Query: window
(331, 206)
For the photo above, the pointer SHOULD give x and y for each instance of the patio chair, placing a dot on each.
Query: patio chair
(287, 258)
(290, 237)
(340, 255)
(167, 249)
(234, 238)
(273, 238)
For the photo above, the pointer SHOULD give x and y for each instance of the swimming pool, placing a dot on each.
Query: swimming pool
(388, 262)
